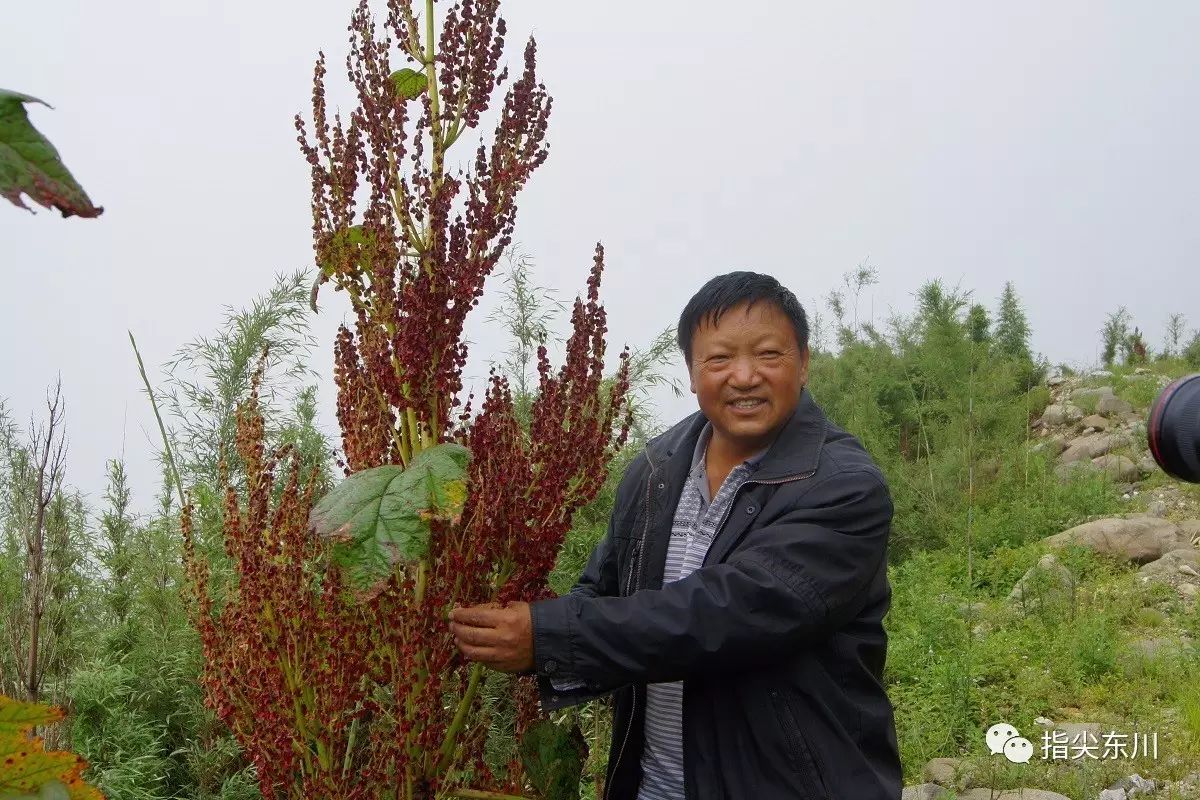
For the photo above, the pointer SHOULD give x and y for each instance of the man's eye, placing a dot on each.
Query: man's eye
(715, 359)
(770, 353)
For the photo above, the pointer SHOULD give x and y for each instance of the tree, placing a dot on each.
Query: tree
(1133, 348)
(208, 377)
(1115, 331)
(846, 318)
(979, 324)
(1191, 353)
(119, 549)
(1011, 336)
(36, 510)
(1173, 342)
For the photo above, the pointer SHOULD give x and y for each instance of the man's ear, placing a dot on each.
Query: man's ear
(805, 354)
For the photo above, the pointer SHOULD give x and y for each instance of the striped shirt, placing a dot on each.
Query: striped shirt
(692, 531)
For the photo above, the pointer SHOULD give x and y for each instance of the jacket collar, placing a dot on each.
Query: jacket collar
(796, 450)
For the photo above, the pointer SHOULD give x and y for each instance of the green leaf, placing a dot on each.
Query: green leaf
(26, 768)
(348, 241)
(30, 165)
(553, 757)
(17, 717)
(381, 516)
(409, 83)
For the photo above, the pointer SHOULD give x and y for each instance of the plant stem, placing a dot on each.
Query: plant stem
(161, 428)
(460, 717)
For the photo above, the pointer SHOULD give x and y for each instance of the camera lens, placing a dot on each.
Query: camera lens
(1173, 431)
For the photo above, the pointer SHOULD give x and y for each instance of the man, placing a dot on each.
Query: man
(736, 603)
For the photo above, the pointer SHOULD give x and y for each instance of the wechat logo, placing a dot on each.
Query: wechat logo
(1004, 738)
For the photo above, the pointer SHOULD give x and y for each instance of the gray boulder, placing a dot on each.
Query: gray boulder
(1111, 406)
(1094, 445)
(1137, 539)
(1061, 414)
(1175, 567)
(1096, 392)
(943, 771)
(1095, 421)
(1046, 582)
(1135, 786)
(1119, 468)
(924, 791)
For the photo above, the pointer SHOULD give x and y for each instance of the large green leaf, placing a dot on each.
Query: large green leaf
(29, 771)
(380, 516)
(409, 83)
(30, 165)
(553, 757)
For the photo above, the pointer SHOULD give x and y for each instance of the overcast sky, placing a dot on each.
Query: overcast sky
(1051, 144)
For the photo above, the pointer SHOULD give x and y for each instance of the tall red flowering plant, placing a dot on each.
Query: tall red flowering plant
(330, 659)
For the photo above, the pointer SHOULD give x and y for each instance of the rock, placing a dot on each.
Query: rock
(1113, 794)
(1179, 569)
(1061, 414)
(1119, 468)
(1156, 508)
(1047, 581)
(1135, 786)
(1100, 373)
(1095, 421)
(924, 791)
(1055, 444)
(1055, 380)
(1096, 391)
(1138, 539)
(1011, 794)
(1172, 563)
(1147, 465)
(1077, 732)
(1066, 472)
(941, 771)
(1093, 446)
(1111, 406)
(1189, 529)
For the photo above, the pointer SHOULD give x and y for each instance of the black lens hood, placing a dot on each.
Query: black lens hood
(1173, 430)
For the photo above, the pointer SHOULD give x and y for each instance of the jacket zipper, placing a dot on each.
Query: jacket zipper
(797, 477)
(636, 574)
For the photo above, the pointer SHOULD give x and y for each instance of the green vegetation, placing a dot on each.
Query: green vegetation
(943, 397)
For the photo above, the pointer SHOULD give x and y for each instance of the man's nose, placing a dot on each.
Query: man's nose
(745, 372)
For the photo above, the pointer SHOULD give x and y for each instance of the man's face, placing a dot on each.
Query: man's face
(751, 354)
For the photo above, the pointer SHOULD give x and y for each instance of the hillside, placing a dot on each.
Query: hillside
(1079, 639)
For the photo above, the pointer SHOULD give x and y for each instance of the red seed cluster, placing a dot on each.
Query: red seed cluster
(286, 652)
(336, 693)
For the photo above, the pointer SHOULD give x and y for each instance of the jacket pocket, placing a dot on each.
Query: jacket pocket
(803, 761)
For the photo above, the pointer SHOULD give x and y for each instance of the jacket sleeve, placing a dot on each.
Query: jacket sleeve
(793, 580)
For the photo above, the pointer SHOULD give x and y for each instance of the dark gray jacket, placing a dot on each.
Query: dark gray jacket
(779, 638)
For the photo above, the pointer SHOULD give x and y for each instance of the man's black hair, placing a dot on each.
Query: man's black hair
(731, 289)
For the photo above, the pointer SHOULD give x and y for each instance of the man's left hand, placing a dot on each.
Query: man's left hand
(498, 637)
